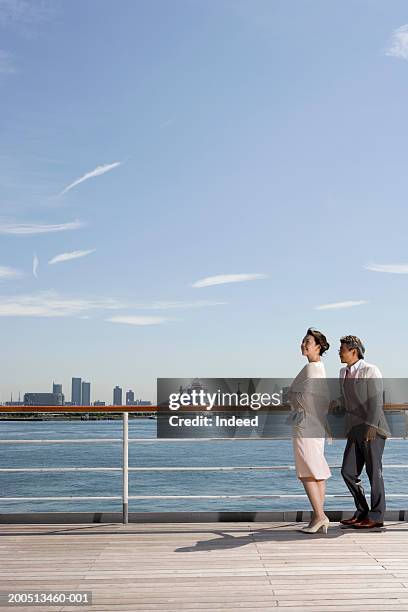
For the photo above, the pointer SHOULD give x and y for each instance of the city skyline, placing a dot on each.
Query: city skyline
(188, 199)
(79, 399)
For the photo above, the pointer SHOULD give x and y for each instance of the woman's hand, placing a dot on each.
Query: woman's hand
(336, 408)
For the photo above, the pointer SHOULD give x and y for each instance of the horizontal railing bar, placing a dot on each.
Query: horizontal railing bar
(192, 497)
(177, 468)
(59, 469)
(71, 498)
(119, 440)
(64, 409)
(55, 441)
(235, 467)
(109, 409)
(249, 496)
(144, 440)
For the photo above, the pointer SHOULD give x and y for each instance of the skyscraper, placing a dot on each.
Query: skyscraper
(130, 398)
(86, 393)
(76, 393)
(56, 388)
(117, 396)
(57, 391)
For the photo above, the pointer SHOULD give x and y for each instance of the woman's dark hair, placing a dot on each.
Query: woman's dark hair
(320, 339)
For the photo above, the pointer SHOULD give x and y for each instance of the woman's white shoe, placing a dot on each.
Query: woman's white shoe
(321, 525)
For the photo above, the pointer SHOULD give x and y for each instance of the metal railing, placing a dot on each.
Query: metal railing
(125, 469)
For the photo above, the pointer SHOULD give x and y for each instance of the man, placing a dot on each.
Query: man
(366, 431)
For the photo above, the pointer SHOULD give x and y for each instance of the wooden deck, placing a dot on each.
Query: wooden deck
(209, 566)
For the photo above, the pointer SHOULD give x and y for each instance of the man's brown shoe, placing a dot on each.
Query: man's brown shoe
(350, 521)
(367, 524)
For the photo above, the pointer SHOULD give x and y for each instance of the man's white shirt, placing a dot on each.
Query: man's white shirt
(361, 369)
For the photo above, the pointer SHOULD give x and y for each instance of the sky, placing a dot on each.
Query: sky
(187, 186)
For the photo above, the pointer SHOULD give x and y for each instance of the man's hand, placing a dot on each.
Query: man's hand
(336, 409)
(370, 434)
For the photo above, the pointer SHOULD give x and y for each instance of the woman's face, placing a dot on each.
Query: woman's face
(309, 347)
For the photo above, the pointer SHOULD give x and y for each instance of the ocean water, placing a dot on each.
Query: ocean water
(152, 453)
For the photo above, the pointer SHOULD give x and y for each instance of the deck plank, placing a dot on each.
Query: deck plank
(226, 566)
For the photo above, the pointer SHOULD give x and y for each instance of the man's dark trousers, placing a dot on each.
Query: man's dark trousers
(357, 454)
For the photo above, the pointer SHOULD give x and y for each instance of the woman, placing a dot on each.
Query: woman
(309, 399)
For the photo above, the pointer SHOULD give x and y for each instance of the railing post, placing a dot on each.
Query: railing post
(125, 494)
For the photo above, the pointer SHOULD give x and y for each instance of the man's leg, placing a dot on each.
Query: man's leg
(373, 451)
(353, 463)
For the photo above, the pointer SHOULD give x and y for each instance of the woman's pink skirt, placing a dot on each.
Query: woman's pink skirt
(310, 461)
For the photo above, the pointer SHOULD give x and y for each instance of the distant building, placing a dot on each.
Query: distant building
(197, 386)
(86, 393)
(285, 395)
(117, 396)
(56, 388)
(99, 403)
(76, 392)
(143, 403)
(13, 402)
(43, 399)
(130, 398)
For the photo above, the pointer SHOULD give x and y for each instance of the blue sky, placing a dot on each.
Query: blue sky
(146, 146)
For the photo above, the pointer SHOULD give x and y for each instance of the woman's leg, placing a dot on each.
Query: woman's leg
(315, 492)
(322, 487)
(322, 491)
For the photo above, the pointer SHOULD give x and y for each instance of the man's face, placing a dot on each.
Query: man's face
(347, 355)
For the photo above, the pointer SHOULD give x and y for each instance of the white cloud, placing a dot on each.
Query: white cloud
(98, 171)
(162, 305)
(36, 263)
(222, 279)
(7, 273)
(137, 320)
(388, 268)
(399, 43)
(51, 304)
(37, 228)
(69, 256)
(341, 305)
(6, 62)
(165, 123)
(25, 12)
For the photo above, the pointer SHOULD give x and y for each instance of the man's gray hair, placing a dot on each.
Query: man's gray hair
(354, 342)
